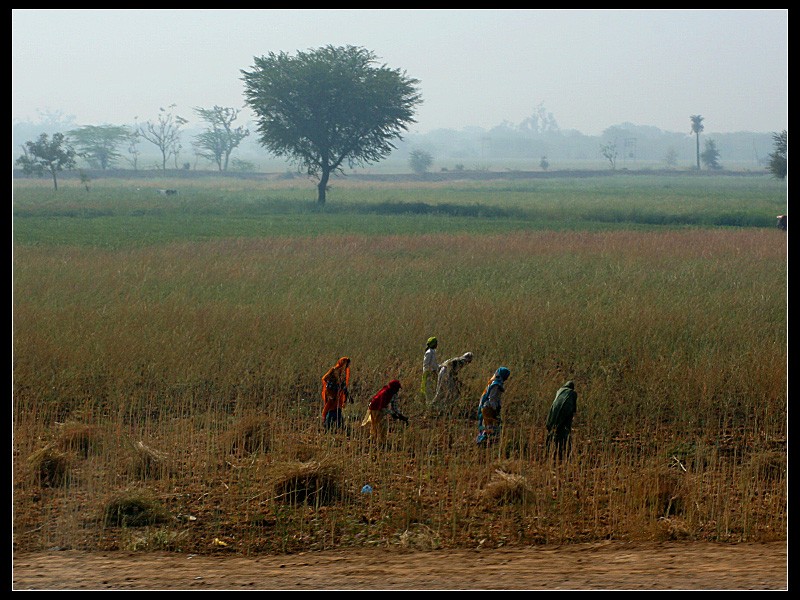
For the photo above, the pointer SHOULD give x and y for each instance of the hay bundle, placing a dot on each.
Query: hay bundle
(134, 508)
(50, 466)
(81, 438)
(767, 466)
(664, 489)
(250, 434)
(147, 462)
(315, 483)
(673, 528)
(506, 488)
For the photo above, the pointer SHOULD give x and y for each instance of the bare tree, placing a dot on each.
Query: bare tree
(165, 134)
(134, 138)
(609, 152)
(221, 138)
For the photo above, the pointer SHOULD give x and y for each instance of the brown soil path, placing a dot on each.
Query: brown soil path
(601, 566)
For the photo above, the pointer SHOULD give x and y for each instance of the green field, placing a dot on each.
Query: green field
(167, 353)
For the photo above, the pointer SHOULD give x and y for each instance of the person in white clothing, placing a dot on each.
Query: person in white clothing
(448, 386)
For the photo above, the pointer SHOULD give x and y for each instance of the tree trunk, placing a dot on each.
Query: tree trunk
(697, 135)
(55, 180)
(322, 187)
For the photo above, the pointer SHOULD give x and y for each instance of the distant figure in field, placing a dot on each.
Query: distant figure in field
(782, 222)
(383, 404)
(489, 407)
(430, 369)
(335, 393)
(448, 385)
(559, 419)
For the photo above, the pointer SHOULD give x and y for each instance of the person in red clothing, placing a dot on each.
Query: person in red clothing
(382, 404)
(335, 393)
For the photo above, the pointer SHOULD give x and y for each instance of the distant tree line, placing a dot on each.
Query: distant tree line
(333, 107)
(107, 146)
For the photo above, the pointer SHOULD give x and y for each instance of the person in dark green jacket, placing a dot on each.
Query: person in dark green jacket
(559, 419)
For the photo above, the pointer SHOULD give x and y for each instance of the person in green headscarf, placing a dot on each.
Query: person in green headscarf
(559, 419)
(430, 369)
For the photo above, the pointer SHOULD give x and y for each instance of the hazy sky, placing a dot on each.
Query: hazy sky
(590, 68)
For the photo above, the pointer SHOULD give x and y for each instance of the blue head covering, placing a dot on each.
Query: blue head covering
(503, 373)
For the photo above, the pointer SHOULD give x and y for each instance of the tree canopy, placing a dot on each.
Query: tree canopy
(420, 161)
(47, 154)
(98, 144)
(329, 107)
(779, 157)
(697, 129)
(710, 156)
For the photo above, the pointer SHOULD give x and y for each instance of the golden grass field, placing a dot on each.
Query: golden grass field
(166, 396)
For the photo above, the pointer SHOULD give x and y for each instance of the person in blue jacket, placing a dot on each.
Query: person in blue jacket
(489, 407)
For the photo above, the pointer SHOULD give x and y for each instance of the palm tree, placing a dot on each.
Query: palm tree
(697, 127)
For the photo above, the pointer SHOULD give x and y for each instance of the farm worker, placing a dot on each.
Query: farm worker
(448, 386)
(430, 369)
(559, 419)
(383, 404)
(335, 393)
(489, 407)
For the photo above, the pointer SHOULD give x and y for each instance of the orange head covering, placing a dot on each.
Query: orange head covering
(342, 364)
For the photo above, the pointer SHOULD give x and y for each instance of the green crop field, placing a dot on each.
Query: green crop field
(168, 350)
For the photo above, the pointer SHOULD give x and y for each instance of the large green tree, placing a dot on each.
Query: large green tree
(779, 157)
(220, 138)
(47, 155)
(97, 144)
(697, 128)
(328, 107)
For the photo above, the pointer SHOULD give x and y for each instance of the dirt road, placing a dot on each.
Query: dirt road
(602, 566)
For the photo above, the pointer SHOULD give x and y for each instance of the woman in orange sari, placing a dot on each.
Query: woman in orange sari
(334, 393)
